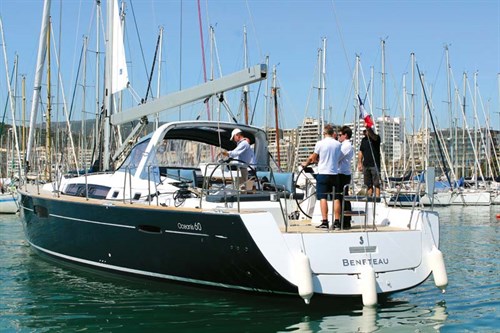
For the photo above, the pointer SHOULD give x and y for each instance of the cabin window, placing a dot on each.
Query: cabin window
(184, 153)
(134, 158)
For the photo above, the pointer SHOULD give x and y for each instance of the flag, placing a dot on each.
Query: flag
(364, 115)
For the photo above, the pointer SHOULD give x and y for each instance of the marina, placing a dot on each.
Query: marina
(150, 202)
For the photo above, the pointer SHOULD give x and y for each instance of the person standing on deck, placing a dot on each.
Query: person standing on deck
(327, 154)
(344, 177)
(369, 160)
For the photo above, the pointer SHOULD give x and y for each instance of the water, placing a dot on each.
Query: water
(40, 296)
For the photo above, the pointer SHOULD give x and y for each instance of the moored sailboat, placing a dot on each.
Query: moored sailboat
(172, 211)
(145, 218)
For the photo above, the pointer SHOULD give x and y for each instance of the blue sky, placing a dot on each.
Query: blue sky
(290, 33)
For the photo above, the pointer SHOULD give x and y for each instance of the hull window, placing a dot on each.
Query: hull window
(41, 211)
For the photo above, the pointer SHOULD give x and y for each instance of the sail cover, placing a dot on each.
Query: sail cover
(119, 74)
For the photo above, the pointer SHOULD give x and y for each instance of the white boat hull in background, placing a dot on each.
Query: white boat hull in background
(471, 198)
(8, 203)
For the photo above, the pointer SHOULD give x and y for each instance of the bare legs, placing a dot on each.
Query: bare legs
(323, 203)
(377, 191)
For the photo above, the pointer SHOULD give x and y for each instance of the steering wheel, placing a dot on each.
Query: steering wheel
(305, 181)
(225, 162)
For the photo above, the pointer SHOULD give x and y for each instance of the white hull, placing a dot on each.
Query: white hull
(439, 199)
(337, 259)
(471, 198)
(495, 198)
(8, 203)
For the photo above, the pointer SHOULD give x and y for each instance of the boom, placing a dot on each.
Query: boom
(202, 91)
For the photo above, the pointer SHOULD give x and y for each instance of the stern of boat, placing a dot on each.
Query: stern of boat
(398, 255)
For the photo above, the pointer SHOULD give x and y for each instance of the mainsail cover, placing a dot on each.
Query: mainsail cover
(119, 74)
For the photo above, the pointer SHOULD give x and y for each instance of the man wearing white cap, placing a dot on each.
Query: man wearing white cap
(243, 152)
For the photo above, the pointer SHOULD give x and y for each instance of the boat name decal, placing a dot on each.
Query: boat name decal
(362, 262)
(192, 226)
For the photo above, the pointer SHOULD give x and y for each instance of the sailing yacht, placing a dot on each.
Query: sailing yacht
(173, 211)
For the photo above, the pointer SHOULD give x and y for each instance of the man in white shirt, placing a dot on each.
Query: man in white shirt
(243, 154)
(344, 177)
(326, 154)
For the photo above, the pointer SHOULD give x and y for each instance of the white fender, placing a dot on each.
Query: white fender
(304, 277)
(368, 321)
(368, 286)
(436, 261)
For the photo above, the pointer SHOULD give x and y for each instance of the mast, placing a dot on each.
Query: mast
(464, 159)
(382, 129)
(83, 139)
(426, 151)
(108, 98)
(481, 142)
(277, 136)
(450, 109)
(404, 122)
(118, 53)
(211, 35)
(48, 146)
(475, 129)
(95, 144)
(266, 98)
(498, 80)
(322, 86)
(412, 111)
(116, 76)
(245, 87)
(11, 95)
(158, 83)
(23, 118)
(457, 102)
(320, 118)
(496, 155)
(37, 86)
(357, 122)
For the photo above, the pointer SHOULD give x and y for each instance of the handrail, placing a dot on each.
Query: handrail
(127, 169)
(130, 185)
(149, 185)
(86, 185)
(206, 181)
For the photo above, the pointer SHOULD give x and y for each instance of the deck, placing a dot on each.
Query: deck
(305, 226)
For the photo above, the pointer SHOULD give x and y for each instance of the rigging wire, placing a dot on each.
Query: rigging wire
(2, 124)
(139, 37)
(341, 36)
(76, 83)
(253, 28)
(203, 53)
(150, 78)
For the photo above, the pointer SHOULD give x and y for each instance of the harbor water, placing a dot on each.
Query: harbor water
(42, 296)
